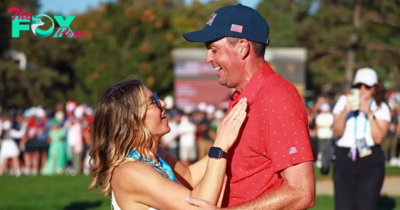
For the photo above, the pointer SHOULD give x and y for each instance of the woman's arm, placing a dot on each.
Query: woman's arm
(136, 182)
(191, 175)
(17, 134)
(339, 119)
(209, 187)
(149, 187)
(379, 128)
(152, 189)
(339, 123)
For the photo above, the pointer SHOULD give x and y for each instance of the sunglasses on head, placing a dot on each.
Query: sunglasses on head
(157, 100)
(359, 85)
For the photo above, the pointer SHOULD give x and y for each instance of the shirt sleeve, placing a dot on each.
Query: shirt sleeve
(340, 105)
(383, 113)
(288, 139)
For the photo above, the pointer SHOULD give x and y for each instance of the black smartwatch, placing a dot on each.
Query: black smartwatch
(216, 152)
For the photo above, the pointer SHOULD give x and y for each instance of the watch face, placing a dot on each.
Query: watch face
(214, 152)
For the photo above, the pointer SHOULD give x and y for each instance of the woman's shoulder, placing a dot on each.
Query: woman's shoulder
(133, 172)
(383, 107)
(128, 174)
(130, 180)
(340, 104)
(342, 98)
(137, 178)
(382, 111)
(128, 167)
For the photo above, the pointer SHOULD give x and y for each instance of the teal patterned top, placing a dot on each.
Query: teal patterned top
(162, 166)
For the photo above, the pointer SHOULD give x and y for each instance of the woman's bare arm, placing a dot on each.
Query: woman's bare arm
(191, 175)
(145, 185)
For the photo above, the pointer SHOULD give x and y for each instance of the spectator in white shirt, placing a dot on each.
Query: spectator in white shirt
(324, 125)
(170, 140)
(187, 142)
(75, 142)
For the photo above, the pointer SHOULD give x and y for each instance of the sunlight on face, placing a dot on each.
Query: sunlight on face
(224, 59)
(155, 119)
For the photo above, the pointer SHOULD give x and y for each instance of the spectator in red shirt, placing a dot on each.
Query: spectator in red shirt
(270, 166)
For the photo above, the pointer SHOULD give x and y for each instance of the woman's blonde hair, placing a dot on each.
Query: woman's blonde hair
(118, 126)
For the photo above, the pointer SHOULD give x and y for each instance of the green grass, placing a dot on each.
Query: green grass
(49, 193)
(390, 171)
(385, 203)
(71, 193)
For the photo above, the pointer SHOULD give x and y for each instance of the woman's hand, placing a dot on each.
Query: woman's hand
(229, 128)
(364, 106)
(349, 105)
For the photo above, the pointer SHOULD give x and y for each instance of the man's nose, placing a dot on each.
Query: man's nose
(209, 57)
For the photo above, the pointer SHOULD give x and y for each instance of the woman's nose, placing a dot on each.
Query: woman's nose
(163, 104)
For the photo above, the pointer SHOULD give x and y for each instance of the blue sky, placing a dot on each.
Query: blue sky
(66, 7)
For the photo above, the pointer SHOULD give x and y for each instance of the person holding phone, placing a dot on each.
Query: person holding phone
(361, 121)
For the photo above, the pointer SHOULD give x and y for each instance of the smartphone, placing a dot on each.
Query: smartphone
(354, 97)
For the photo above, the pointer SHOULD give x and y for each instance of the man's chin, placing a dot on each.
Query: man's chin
(221, 82)
(226, 84)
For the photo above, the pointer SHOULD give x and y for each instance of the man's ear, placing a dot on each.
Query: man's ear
(244, 48)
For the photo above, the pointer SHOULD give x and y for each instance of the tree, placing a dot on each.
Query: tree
(345, 35)
(123, 39)
(186, 18)
(39, 83)
(284, 18)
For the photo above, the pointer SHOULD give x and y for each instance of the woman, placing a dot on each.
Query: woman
(359, 168)
(129, 165)
(8, 148)
(324, 123)
(57, 151)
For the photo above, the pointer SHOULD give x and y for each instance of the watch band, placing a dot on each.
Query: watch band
(371, 116)
(216, 152)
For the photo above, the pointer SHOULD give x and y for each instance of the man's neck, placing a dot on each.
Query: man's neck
(250, 70)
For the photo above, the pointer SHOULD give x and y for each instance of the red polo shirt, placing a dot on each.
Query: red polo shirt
(273, 138)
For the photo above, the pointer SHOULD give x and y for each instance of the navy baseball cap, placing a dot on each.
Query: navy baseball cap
(233, 21)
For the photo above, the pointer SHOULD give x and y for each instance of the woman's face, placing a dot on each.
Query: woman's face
(366, 91)
(155, 119)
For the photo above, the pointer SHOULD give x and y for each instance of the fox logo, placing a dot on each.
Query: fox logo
(36, 22)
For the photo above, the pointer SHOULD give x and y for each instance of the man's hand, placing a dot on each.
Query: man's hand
(202, 204)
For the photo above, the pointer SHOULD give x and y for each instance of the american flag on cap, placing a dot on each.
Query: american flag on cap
(236, 28)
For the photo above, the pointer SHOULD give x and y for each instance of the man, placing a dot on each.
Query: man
(270, 167)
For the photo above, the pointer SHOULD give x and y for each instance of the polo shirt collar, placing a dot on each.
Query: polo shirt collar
(252, 88)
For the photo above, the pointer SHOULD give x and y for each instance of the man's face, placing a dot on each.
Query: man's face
(225, 60)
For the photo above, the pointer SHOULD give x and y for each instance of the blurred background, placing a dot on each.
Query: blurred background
(49, 86)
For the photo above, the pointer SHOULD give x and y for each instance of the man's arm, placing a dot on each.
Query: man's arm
(298, 191)
(291, 156)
